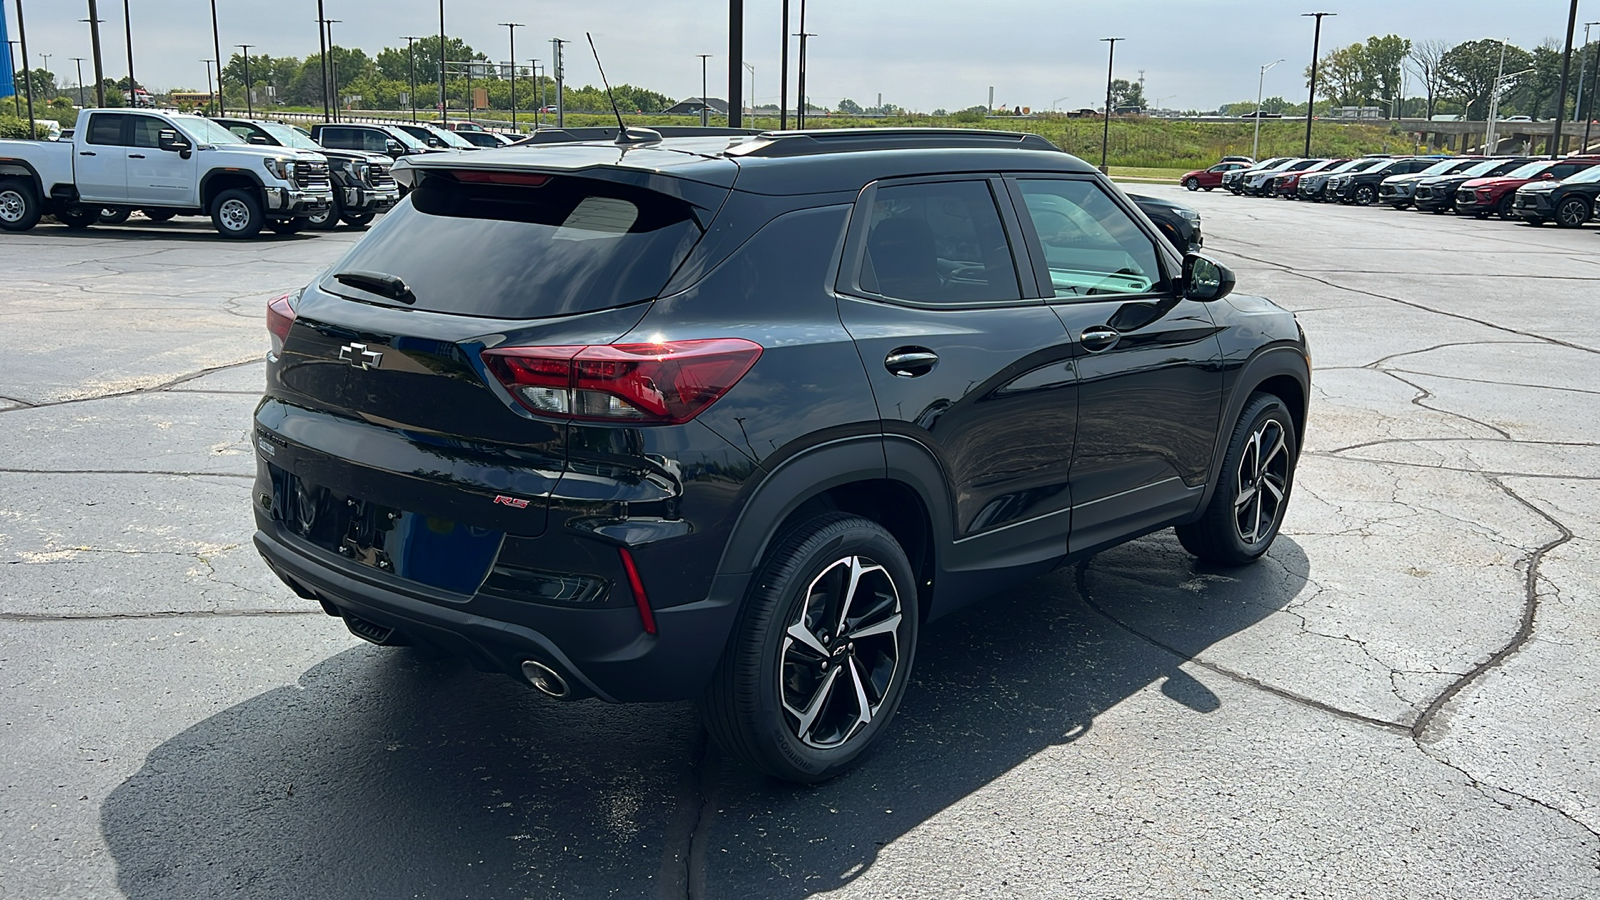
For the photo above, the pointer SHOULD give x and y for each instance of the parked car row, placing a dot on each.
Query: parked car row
(1536, 190)
(244, 174)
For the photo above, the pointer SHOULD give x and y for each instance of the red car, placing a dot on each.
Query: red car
(1482, 196)
(1210, 178)
(1287, 185)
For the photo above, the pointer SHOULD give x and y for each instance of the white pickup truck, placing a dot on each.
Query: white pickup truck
(166, 165)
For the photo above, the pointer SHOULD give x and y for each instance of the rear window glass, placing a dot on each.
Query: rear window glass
(569, 245)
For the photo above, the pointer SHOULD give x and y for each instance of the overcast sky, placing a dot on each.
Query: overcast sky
(921, 54)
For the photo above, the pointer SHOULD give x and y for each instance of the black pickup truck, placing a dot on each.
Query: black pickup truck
(363, 185)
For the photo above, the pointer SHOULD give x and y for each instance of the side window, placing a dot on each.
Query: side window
(1091, 246)
(1564, 171)
(374, 141)
(938, 243)
(106, 128)
(146, 131)
(338, 138)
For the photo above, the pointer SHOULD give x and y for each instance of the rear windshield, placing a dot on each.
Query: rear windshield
(568, 245)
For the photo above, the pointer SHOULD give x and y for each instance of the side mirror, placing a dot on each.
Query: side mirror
(435, 142)
(257, 139)
(1205, 279)
(1545, 176)
(173, 142)
(394, 146)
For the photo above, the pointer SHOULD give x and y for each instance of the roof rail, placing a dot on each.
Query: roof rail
(609, 133)
(845, 140)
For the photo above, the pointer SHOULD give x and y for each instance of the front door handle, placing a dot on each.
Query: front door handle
(86, 153)
(1099, 337)
(136, 156)
(910, 362)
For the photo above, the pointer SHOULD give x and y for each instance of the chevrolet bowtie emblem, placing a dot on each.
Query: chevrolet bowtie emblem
(359, 356)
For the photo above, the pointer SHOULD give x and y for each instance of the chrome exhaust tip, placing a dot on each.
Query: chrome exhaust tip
(545, 680)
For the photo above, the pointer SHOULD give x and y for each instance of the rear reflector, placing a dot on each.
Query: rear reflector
(647, 384)
(280, 318)
(647, 617)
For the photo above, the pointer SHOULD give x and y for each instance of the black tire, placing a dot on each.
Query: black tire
(237, 214)
(19, 205)
(358, 220)
(1219, 536)
(77, 217)
(774, 703)
(1400, 205)
(1193, 184)
(109, 216)
(287, 226)
(158, 215)
(1364, 195)
(1573, 212)
(1504, 210)
(326, 221)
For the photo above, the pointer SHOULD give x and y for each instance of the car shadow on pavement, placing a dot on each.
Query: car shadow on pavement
(176, 231)
(385, 772)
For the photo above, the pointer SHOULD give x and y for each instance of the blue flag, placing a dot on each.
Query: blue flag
(8, 85)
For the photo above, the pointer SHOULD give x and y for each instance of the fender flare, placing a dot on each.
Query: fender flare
(28, 171)
(1281, 359)
(208, 177)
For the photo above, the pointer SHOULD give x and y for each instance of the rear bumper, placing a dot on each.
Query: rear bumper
(602, 653)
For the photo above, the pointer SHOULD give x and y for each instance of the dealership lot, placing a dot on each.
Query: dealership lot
(1399, 702)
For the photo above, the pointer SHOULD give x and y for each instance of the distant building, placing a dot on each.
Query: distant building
(691, 106)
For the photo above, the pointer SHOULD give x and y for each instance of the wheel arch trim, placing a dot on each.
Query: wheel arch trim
(1281, 360)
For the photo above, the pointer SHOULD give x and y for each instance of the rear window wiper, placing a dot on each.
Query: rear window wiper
(381, 283)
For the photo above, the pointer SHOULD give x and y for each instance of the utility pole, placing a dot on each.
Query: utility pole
(1316, 49)
(800, 77)
(538, 82)
(27, 76)
(735, 63)
(332, 86)
(444, 105)
(1555, 147)
(1489, 137)
(208, 85)
(1105, 137)
(216, 50)
(705, 108)
(94, 42)
(1588, 116)
(511, 28)
(249, 105)
(127, 31)
(79, 61)
(1577, 103)
(561, 80)
(783, 91)
(411, 59)
(752, 91)
(16, 98)
(322, 48)
(1255, 148)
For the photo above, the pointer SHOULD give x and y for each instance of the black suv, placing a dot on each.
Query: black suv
(734, 419)
(1569, 203)
(1361, 188)
(1437, 193)
(363, 184)
(384, 139)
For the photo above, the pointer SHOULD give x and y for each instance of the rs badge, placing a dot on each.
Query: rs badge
(516, 502)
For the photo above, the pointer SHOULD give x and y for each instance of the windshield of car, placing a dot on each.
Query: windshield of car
(1441, 167)
(405, 139)
(206, 131)
(289, 137)
(1483, 168)
(1587, 176)
(448, 138)
(1529, 170)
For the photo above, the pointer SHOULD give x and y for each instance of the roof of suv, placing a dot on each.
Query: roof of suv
(790, 162)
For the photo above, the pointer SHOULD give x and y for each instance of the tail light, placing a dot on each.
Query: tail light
(649, 384)
(280, 317)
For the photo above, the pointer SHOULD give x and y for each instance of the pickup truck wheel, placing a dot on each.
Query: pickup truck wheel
(326, 220)
(237, 214)
(287, 226)
(358, 220)
(19, 206)
(77, 217)
(109, 216)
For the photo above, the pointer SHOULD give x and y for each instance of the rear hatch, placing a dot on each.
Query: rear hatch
(381, 402)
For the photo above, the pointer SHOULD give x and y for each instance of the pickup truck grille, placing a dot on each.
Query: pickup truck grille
(380, 176)
(311, 175)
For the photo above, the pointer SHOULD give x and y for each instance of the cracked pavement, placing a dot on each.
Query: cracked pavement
(1399, 701)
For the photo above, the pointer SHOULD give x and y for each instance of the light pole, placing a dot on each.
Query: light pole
(216, 51)
(752, 70)
(16, 99)
(322, 49)
(27, 77)
(444, 105)
(332, 86)
(705, 108)
(800, 77)
(1494, 101)
(208, 85)
(94, 43)
(783, 64)
(736, 64)
(411, 59)
(46, 58)
(1577, 103)
(538, 82)
(511, 28)
(1566, 74)
(127, 31)
(561, 80)
(1493, 138)
(1588, 116)
(249, 105)
(1056, 103)
(1105, 138)
(1316, 48)
(1261, 83)
(79, 61)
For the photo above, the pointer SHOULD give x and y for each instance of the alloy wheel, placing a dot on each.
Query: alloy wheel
(840, 654)
(1263, 483)
(235, 215)
(13, 206)
(1571, 214)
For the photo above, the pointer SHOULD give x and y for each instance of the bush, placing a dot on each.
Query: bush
(13, 128)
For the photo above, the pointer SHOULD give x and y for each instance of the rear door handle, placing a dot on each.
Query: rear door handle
(85, 152)
(136, 156)
(910, 362)
(1099, 337)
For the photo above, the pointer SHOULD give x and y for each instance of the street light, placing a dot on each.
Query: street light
(538, 82)
(411, 59)
(332, 85)
(558, 61)
(216, 50)
(94, 21)
(79, 61)
(1105, 138)
(1588, 116)
(322, 50)
(444, 105)
(249, 105)
(511, 28)
(1577, 103)
(208, 84)
(127, 30)
(705, 114)
(752, 70)
(1056, 103)
(1316, 48)
(783, 65)
(1255, 148)
(800, 78)
(1566, 73)
(1491, 137)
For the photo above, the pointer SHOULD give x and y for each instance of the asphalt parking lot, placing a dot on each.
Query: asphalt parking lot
(1400, 701)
